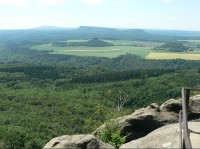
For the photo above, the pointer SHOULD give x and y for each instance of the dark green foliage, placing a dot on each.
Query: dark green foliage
(38, 108)
(35, 143)
(15, 138)
(111, 133)
(121, 76)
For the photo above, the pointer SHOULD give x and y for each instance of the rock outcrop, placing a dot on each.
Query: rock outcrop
(140, 123)
(145, 120)
(166, 137)
(77, 142)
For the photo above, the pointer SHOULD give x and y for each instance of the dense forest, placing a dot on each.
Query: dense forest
(45, 95)
(40, 102)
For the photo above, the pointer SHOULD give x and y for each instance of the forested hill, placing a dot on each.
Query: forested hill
(58, 34)
(95, 29)
(95, 42)
(52, 34)
(104, 30)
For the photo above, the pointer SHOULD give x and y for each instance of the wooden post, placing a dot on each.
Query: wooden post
(180, 129)
(185, 104)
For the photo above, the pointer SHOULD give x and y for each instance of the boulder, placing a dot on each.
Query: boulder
(77, 142)
(171, 105)
(194, 105)
(145, 120)
(166, 137)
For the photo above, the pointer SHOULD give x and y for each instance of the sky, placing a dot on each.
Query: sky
(144, 14)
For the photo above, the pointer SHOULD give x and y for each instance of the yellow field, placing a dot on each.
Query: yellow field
(197, 41)
(173, 56)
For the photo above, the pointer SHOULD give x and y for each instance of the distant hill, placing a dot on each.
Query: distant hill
(174, 32)
(49, 34)
(102, 30)
(95, 29)
(134, 31)
(174, 47)
(95, 42)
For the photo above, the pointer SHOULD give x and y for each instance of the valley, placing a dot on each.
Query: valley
(70, 82)
(146, 50)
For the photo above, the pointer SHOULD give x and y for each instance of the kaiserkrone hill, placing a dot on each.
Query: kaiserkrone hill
(151, 127)
(95, 42)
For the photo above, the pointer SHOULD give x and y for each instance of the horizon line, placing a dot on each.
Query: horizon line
(76, 27)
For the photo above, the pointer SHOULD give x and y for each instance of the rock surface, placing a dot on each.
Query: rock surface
(143, 121)
(166, 137)
(77, 142)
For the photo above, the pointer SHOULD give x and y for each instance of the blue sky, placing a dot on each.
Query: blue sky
(148, 14)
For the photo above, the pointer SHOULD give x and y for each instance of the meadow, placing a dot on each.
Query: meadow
(144, 49)
(121, 47)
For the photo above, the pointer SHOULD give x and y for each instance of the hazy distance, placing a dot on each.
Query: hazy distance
(146, 14)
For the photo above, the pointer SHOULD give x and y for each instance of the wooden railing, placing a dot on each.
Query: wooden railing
(185, 141)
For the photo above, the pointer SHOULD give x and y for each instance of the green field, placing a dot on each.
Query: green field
(134, 43)
(140, 48)
(120, 47)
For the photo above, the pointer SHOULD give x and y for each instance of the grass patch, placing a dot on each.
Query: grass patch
(134, 43)
(121, 47)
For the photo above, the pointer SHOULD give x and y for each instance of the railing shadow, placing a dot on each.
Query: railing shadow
(191, 131)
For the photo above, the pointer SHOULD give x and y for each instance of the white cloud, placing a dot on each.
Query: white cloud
(173, 19)
(50, 2)
(20, 3)
(124, 1)
(92, 2)
(25, 3)
(167, 1)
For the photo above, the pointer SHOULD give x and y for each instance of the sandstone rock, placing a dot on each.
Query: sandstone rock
(77, 142)
(138, 124)
(143, 121)
(166, 137)
(195, 103)
(171, 105)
